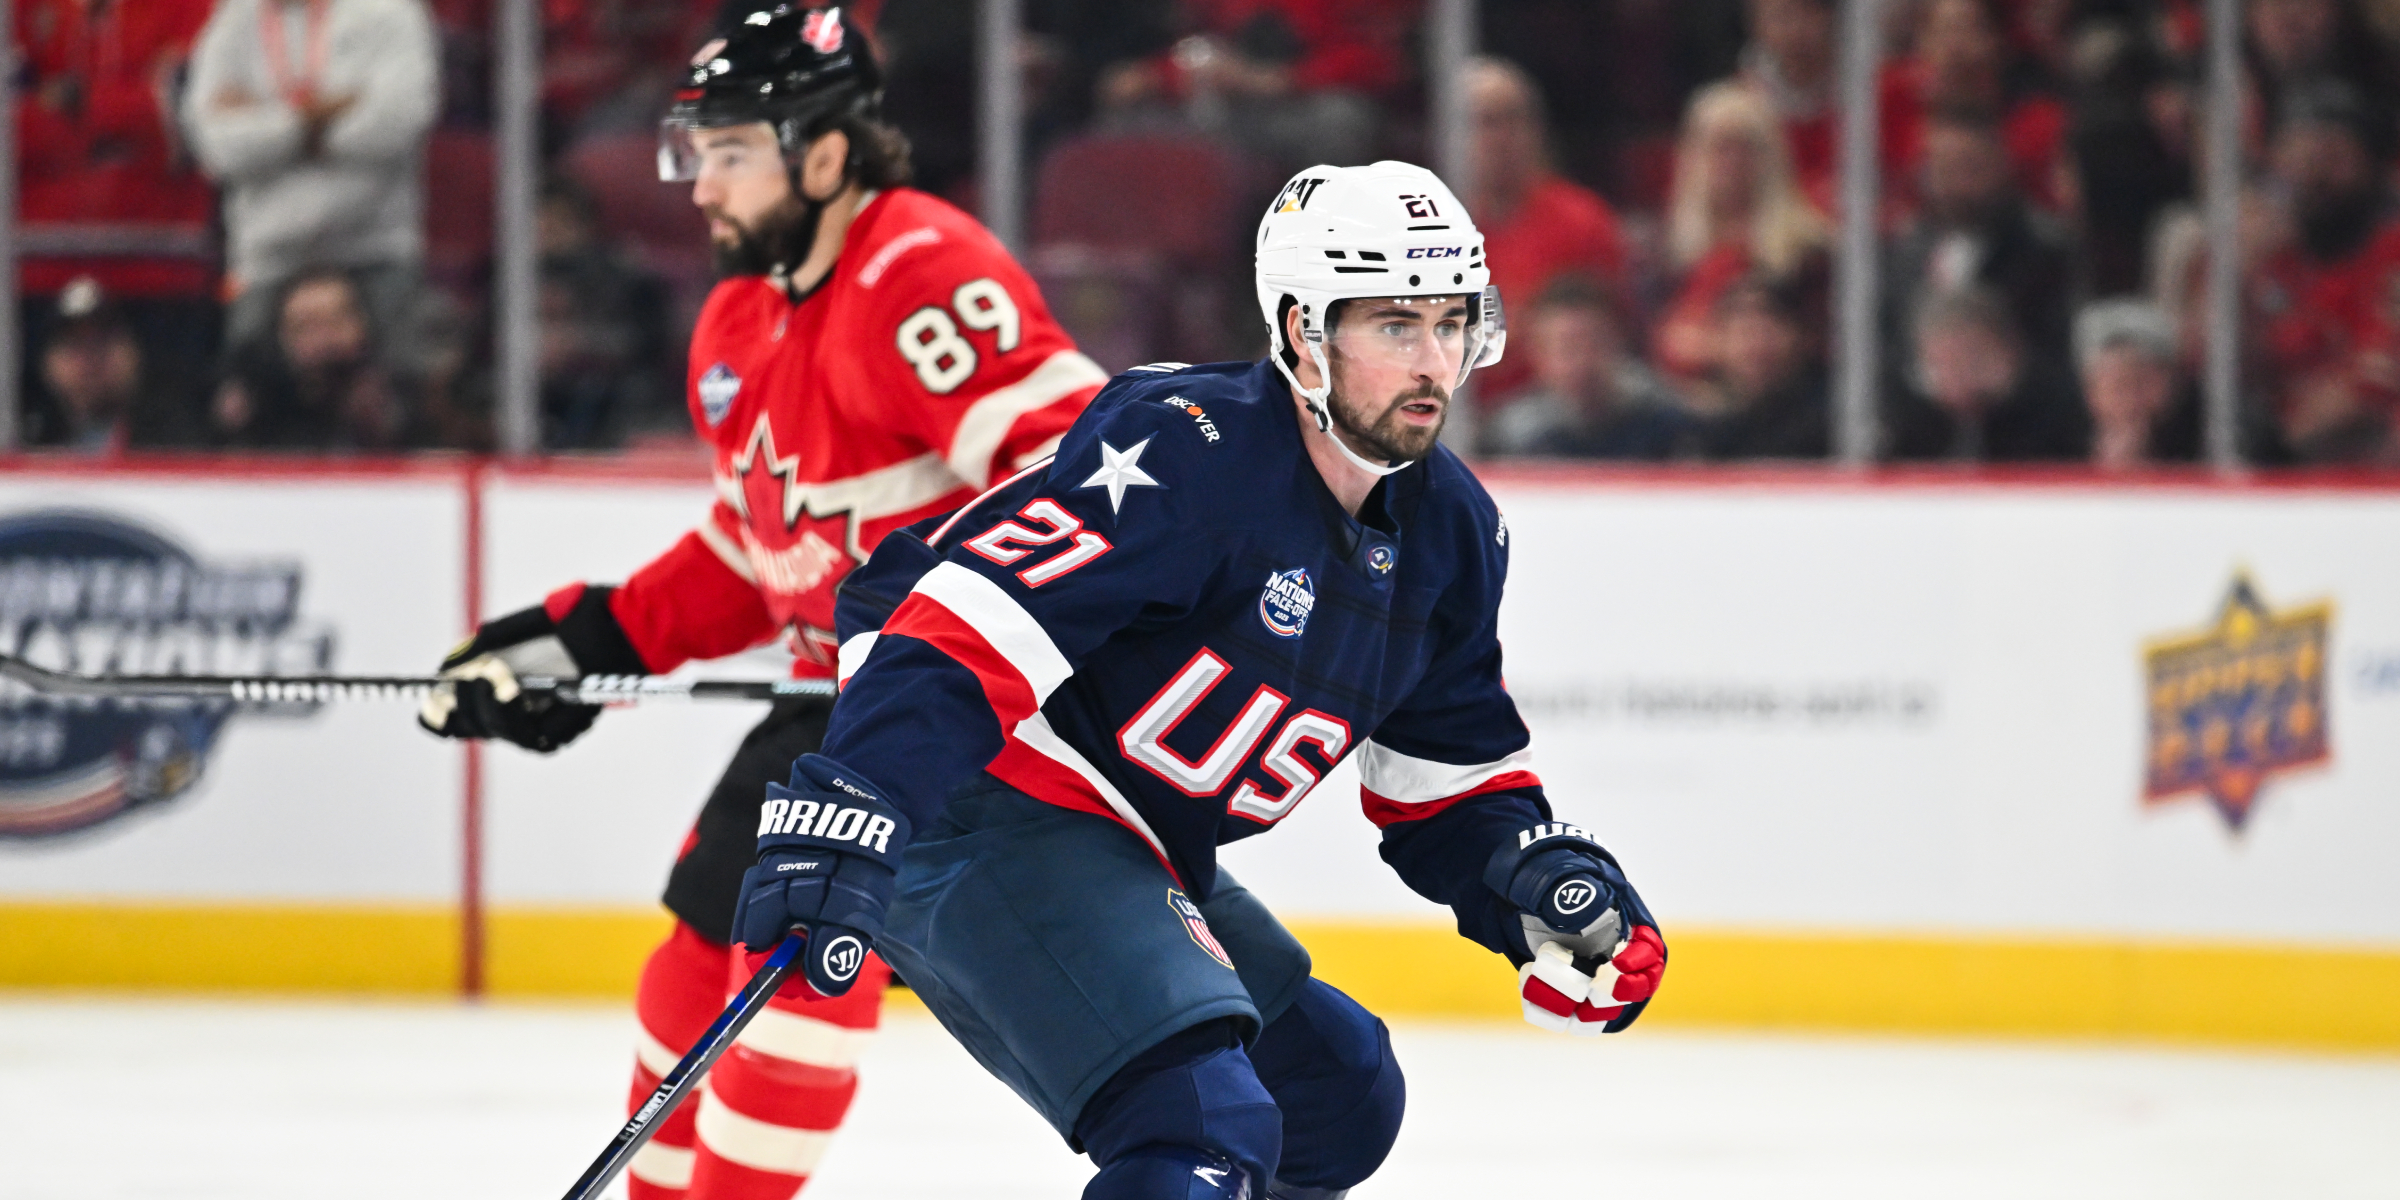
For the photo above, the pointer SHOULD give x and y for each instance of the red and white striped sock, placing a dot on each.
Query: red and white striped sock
(682, 990)
(773, 1102)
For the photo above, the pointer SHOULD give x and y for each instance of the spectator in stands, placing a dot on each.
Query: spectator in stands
(1790, 63)
(1766, 397)
(2322, 298)
(99, 393)
(1735, 212)
(2301, 43)
(1537, 226)
(317, 383)
(1294, 81)
(2142, 405)
(1961, 62)
(108, 192)
(1975, 394)
(608, 363)
(1588, 398)
(2129, 164)
(312, 116)
(1975, 230)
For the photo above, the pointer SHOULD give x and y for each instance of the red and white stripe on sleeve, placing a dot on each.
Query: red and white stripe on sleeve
(700, 599)
(1395, 787)
(983, 629)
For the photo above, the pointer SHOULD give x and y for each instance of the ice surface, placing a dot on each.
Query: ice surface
(116, 1099)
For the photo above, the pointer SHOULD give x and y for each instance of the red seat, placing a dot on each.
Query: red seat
(621, 172)
(1174, 196)
(458, 203)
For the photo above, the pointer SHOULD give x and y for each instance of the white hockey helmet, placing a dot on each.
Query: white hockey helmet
(1389, 229)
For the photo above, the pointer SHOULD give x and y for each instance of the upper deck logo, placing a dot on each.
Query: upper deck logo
(86, 591)
(2235, 703)
(1286, 601)
(717, 389)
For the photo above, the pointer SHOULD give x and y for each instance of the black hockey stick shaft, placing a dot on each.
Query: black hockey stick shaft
(587, 689)
(681, 1082)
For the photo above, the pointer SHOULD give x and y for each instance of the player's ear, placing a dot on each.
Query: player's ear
(1304, 365)
(824, 167)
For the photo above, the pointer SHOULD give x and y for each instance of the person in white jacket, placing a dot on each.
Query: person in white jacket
(312, 116)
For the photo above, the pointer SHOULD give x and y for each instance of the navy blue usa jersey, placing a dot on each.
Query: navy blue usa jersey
(1175, 625)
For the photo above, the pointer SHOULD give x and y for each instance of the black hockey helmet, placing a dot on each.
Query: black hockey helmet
(795, 68)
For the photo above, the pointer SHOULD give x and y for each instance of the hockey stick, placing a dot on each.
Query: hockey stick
(588, 689)
(685, 1078)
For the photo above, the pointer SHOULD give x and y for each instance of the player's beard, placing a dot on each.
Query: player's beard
(780, 238)
(1380, 434)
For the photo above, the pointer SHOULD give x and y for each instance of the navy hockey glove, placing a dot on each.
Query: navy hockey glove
(828, 862)
(484, 701)
(1588, 952)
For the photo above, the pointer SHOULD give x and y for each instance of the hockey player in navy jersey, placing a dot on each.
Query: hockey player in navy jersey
(1063, 698)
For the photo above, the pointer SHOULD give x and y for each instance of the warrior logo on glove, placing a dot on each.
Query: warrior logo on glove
(1588, 953)
(843, 956)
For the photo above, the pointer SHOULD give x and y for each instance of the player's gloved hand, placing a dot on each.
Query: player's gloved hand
(1588, 952)
(828, 863)
(571, 634)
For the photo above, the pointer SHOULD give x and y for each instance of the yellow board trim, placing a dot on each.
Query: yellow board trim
(2260, 994)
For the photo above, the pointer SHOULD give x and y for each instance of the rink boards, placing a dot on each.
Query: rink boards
(2024, 754)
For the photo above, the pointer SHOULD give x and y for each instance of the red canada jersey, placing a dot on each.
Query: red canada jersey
(922, 370)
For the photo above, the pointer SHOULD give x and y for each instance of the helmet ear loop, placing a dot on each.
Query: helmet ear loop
(1320, 406)
(1320, 398)
(1313, 398)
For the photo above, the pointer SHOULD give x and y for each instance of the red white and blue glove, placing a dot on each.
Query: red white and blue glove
(1588, 952)
(828, 865)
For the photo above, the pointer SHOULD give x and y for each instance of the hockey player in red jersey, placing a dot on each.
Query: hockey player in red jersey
(872, 356)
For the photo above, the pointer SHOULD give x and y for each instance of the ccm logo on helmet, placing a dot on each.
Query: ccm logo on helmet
(1436, 251)
(832, 822)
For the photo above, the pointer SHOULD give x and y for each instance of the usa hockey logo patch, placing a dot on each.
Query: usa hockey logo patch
(1197, 926)
(717, 389)
(1285, 603)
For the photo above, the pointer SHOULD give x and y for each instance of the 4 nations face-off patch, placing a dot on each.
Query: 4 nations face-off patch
(2238, 702)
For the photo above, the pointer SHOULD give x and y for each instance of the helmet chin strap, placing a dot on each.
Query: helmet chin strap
(1318, 400)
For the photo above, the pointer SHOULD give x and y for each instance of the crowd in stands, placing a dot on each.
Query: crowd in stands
(265, 224)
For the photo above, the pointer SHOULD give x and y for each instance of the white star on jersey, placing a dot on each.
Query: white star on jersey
(1117, 472)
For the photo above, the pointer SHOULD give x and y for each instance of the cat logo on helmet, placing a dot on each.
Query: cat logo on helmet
(822, 30)
(1295, 195)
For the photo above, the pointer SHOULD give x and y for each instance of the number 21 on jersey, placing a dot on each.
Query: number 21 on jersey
(929, 338)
